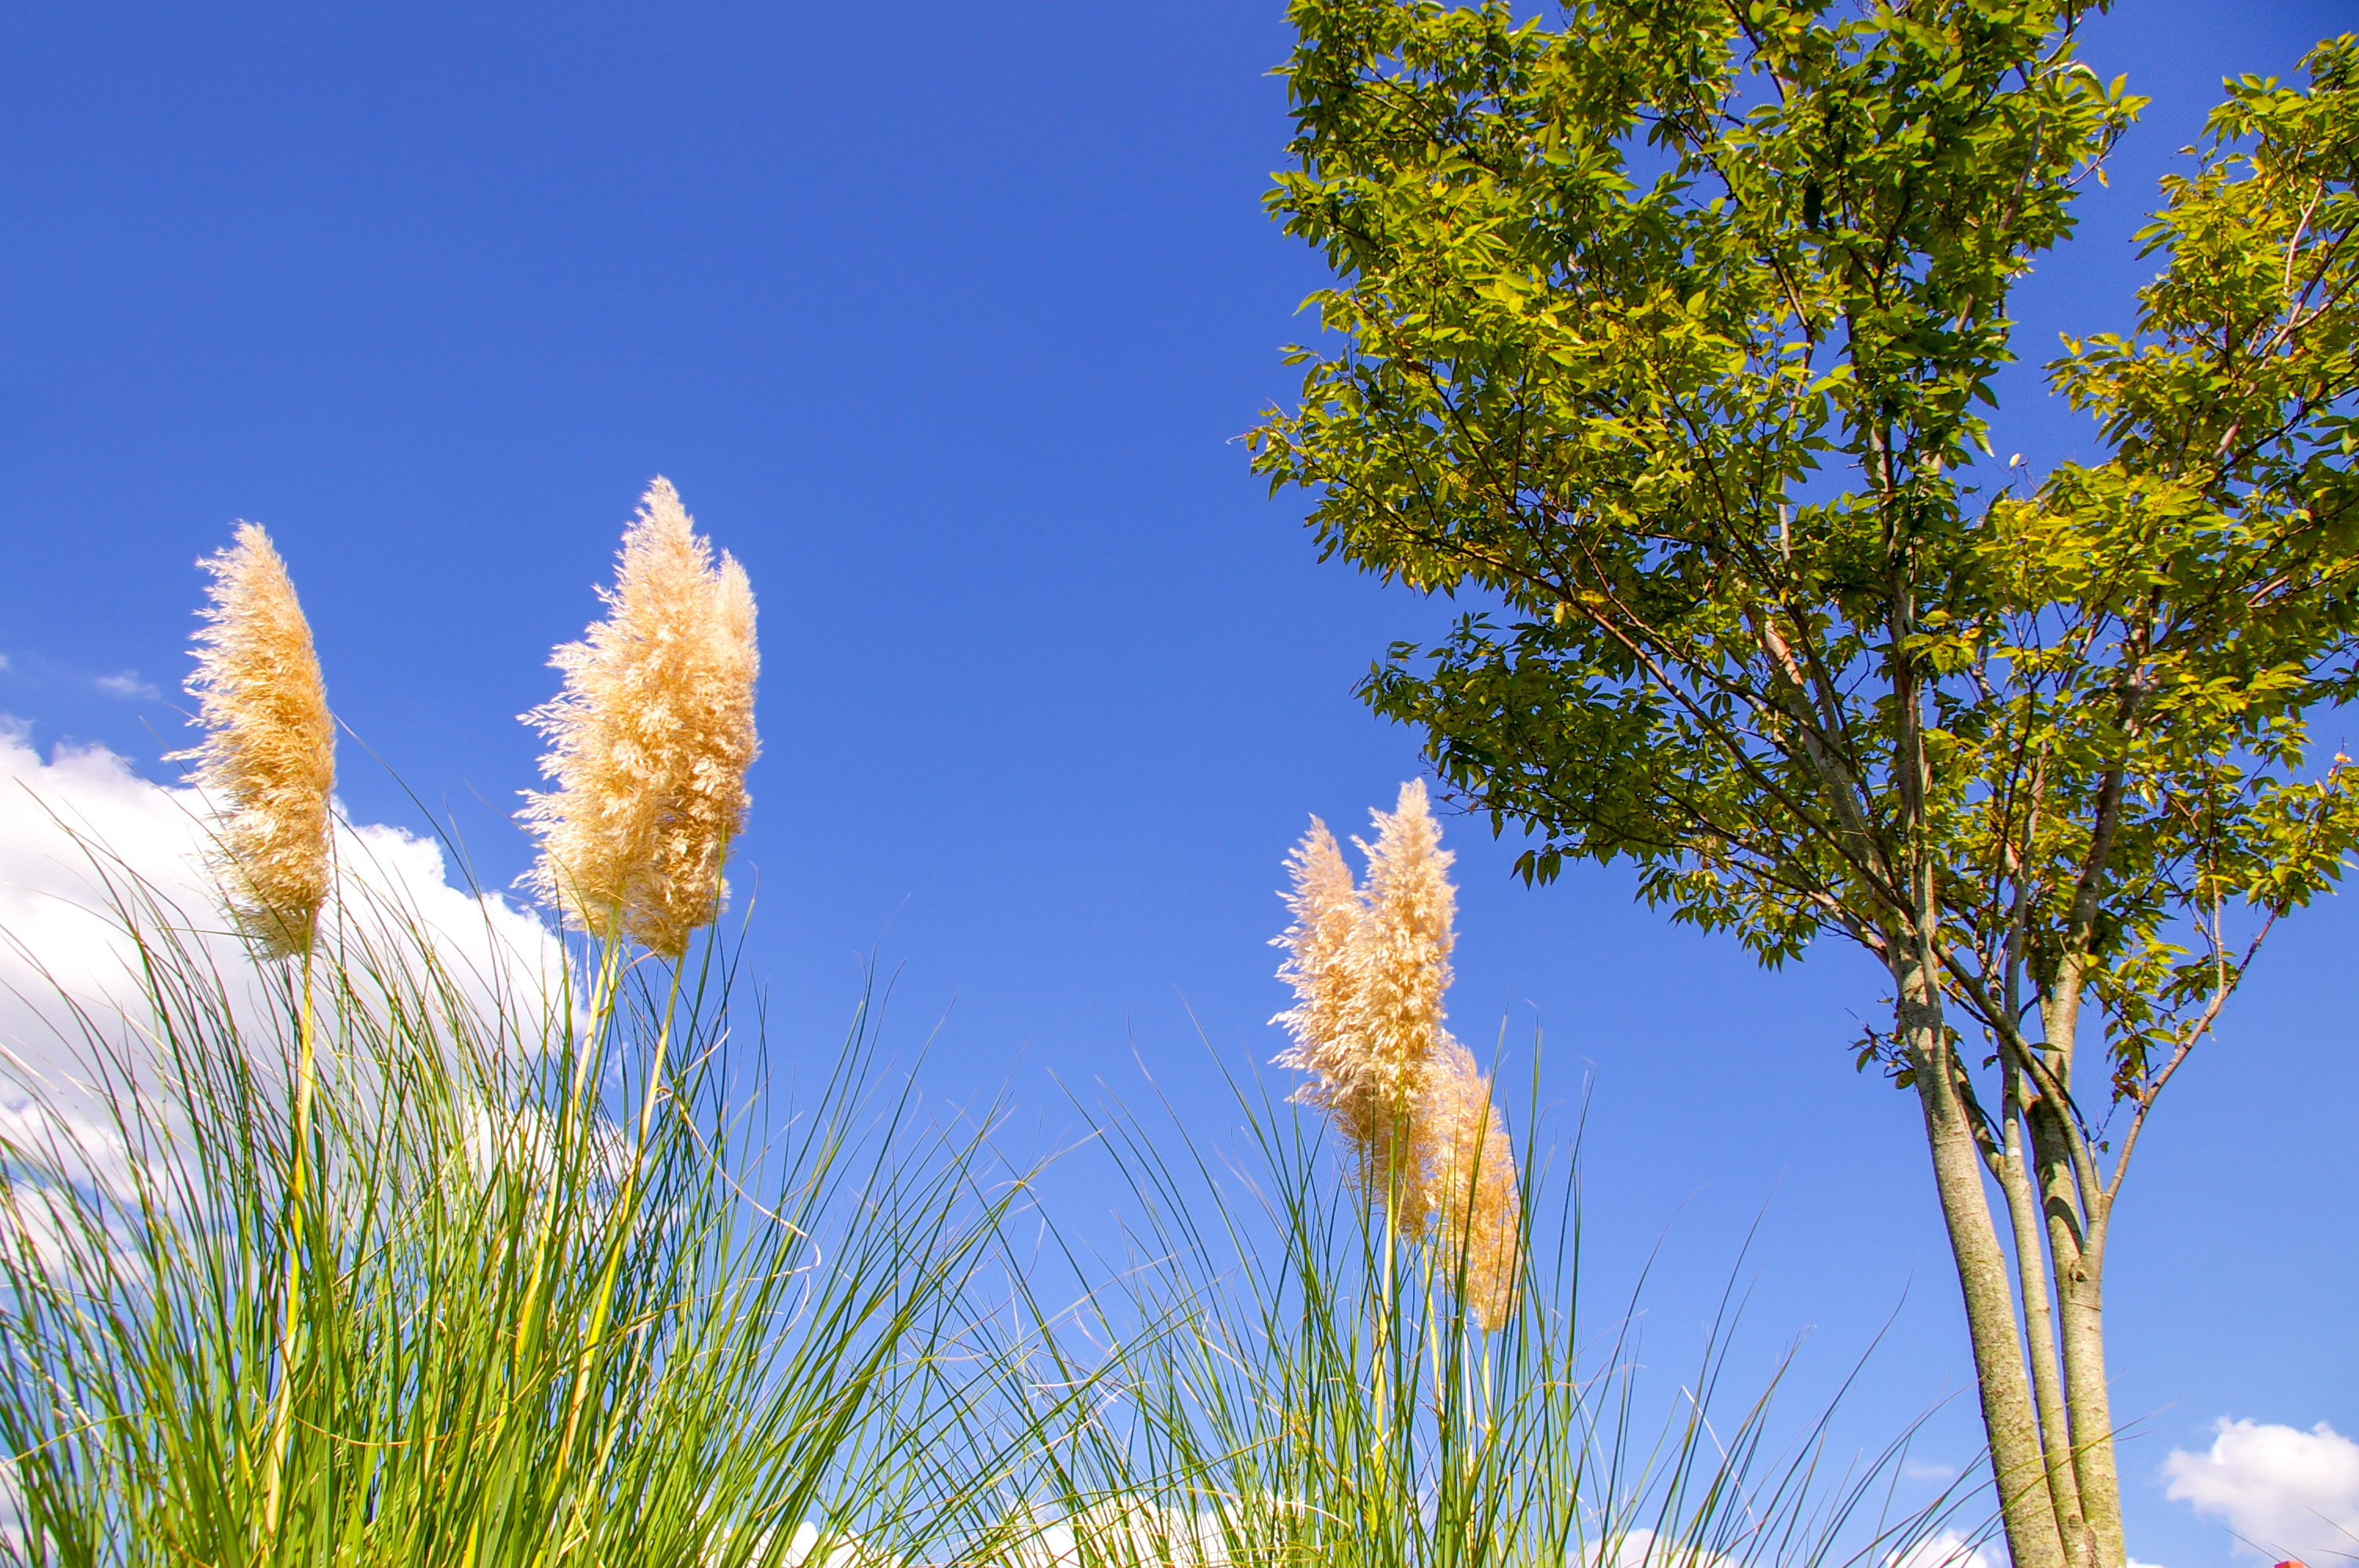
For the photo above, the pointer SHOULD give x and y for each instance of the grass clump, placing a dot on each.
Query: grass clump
(546, 1308)
(1264, 1371)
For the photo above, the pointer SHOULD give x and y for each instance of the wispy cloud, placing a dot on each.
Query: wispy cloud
(2282, 1492)
(1925, 1470)
(40, 670)
(126, 685)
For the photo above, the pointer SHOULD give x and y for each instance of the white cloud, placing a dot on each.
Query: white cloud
(1944, 1549)
(1125, 1530)
(1925, 1470)
(1642, 1548)
(70, 824)
(126, 685)
(836, 1551)
(2283, 1492)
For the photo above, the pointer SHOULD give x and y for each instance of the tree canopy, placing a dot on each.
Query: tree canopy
(1671, 342)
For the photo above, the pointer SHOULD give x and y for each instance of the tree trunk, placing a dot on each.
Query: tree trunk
(2023, 1209)
(2082, 1294)
(2076, 1243)
(2033, 1539)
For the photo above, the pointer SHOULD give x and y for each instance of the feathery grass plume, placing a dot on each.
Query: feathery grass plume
(268, 759)
(1369, 967)
(1473, 1182)
(1398, 967)
(650, 739)
(1327, 911)
(1349, 1081)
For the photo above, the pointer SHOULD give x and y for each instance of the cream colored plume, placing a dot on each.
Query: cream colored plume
(1327, 910)
(650, 739)
(1369, 967)
(1398, 965)
(1472, 1185)
(268, 760)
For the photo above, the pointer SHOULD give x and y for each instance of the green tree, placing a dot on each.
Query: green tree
(1662, 334)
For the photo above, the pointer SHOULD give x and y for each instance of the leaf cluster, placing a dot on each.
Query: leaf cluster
(1670, 338)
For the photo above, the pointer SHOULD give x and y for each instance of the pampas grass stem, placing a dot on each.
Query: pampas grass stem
(298, 1169)
(268, 760)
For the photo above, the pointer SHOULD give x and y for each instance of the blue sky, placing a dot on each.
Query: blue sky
(946, 322)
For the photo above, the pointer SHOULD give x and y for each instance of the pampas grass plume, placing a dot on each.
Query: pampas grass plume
(1327, 911)
(268, 760)
(1472, 1186)
(649, 740)
(1398, 960)
(1369, 967)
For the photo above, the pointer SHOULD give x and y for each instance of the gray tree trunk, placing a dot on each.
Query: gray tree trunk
(2024, 1214)
(2076, 1243)
(2033, 1537)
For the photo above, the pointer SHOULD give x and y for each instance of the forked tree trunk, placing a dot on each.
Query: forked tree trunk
(2026, 1220)
(2076, 1247)
(2033, 1537)
(2060, 1493)
(2081, 1300)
